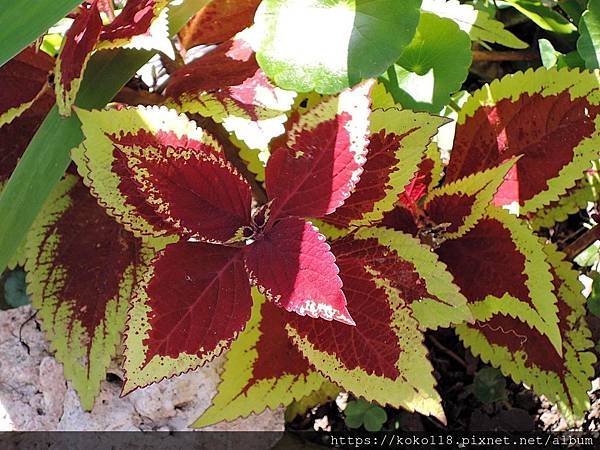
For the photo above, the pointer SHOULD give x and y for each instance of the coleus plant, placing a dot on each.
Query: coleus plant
(185, 236)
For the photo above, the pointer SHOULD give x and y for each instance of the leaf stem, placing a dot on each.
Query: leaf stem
(582, 242)
(497, 56)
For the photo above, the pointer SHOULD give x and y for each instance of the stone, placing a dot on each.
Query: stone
(34, 395)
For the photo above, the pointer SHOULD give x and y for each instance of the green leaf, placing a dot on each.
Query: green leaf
(328, 45)
(588, 44)
(589, 256)
(593, 301)
(548, 54)
(361, 413)
(489, 385)
(15, 289)
(542, 16)
(23, 21)
(433, 66)
(477, 24)
(47, 156)
(374, 418)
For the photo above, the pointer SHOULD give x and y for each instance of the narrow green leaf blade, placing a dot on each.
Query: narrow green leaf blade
(24, 21)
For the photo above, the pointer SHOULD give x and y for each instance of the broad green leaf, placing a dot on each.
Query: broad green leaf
(47, 156)
(23, 21)
(589, 257)
(361, 413)
(489, 385)
(432, 67)
(329, 45)
(588, 44)
(543, 16)
(15, 289)
(477, 24)
(548, 54)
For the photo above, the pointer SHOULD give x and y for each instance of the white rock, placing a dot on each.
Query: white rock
(35, 396)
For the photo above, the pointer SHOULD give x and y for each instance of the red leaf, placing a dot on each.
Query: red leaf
(450, 210)
(184, 183)
(135, 19)
(93, 252)
(15, 136)
(227, 81)
(277, 356)
(418, 188)
(401, 274)
(23, 79)
(314, 172)
(293, 265)
(199, 299)
(402, 219)
(230, 64)
(544, 129)
(485, 261)
(372, 344)
(79, 42)
(381, 162)
(218, 21)
(406, 215)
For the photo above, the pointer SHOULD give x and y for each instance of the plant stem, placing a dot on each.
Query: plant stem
(447, 351)
(582, 242)
(528, 55)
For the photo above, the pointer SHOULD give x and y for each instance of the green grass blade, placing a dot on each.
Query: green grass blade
(23, 21)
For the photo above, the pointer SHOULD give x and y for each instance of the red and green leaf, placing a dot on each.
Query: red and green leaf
(263, 369)
(293, 265)
(143, 164)
(500, 268)
(548, 117)
(24, 80)
(527, 355)
(82, 268)
(327, 392)
(458, 206)
(77, 47)
(227, 83)
(395, 288)
(142, 24)
(22, 122)
(217, 22)
(317, 166)
(573, 200)
(397, 145)
(192, 302)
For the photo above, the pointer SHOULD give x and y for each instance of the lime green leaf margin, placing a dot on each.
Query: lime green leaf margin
(47, 156)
